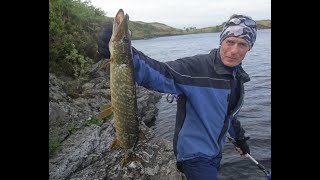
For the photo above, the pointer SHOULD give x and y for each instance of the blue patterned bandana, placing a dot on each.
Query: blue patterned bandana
(240, 26)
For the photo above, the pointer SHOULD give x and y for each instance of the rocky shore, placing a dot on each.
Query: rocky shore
(79, 143)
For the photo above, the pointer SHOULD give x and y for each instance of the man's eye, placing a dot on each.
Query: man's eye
(244, 45)
(229, 42)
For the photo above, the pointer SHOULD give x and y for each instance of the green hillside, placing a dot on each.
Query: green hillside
(141, 30)
(148, 30)
(73, 32)
(264, 24)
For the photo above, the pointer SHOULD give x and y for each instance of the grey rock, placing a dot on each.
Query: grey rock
(84, 152)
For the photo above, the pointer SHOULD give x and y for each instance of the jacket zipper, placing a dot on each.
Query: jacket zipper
(236, 110)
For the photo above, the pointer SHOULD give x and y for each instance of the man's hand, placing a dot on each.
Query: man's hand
(242, 146)
(103, 41)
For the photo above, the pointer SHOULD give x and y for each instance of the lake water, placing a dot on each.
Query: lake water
(255, 115)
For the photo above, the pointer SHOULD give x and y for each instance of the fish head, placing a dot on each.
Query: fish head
(120, 43)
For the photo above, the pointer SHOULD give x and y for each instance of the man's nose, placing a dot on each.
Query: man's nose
(234, 49)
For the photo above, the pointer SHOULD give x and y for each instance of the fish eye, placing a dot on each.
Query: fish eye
(125, 40)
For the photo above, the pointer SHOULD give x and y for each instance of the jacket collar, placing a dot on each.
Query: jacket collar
(220, 68)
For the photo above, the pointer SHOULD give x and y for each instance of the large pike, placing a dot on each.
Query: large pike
(123, 89)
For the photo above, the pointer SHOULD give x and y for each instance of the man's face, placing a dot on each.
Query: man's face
(233, 51)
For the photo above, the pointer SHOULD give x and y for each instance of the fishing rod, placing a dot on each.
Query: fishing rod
(261, 167)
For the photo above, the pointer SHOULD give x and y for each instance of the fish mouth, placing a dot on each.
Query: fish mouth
(120, 26)
(119, 17)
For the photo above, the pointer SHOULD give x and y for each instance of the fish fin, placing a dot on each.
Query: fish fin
(105, 64)
(115, 144)
(126, 159)
(107, 111)
(129, 156)
(106, 106)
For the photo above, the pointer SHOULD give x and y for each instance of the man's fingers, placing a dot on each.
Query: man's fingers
(239, 150)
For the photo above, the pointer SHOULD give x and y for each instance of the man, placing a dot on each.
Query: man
(211, 93)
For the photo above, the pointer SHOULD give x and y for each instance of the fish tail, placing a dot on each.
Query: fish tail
(129, 156)
(106, 112)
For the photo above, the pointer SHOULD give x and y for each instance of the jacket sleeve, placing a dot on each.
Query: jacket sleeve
(158, 76)
(235, 130)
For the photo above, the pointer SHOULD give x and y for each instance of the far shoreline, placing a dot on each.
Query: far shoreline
(168, 35)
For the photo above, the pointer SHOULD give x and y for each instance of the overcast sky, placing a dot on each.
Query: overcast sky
(186, 13)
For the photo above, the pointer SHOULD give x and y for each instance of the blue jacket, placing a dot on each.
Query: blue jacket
(204, 118)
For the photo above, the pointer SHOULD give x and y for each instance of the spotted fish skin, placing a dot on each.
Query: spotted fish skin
(123, 89)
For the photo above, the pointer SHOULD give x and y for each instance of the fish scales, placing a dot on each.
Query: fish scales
(123, 89)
